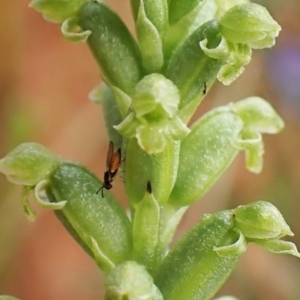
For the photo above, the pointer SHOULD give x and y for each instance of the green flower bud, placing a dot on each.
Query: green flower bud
(28, 164)
(112, 44)
(260, 220)
(249, 24)
(131, 281)
(57, 10)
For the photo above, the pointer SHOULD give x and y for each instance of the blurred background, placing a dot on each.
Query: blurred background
(44, 83)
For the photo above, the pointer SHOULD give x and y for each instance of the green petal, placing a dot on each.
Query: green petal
(128, 126)
(72, 32)
(151, 139)
(279, 247)
(236, 248)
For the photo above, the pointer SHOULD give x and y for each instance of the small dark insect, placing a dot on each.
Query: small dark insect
(149, 187)
(113, 161)
(204, 88)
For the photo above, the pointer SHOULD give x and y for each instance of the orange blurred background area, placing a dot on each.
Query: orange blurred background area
(44, 83)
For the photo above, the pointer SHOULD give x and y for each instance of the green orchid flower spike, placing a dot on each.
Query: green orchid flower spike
(152, 85)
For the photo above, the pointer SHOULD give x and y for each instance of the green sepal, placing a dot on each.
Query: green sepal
(240, 55)
(87, 214)
(57, 10)
(128, 126)
(122, 99)
(258, 117)
(42, 200)
(112, 45)
(155, 10)
(183, 273)
(104, 96)
(72, 32)
(278, 247)
(250, 24)
(28, 164)
(205, 154)
(131, 281)
(149, 41)
(160, 169)
(237, 248)
(190, 68)
(180, 29)
(252, 143)
(260, 220)
(145, 230)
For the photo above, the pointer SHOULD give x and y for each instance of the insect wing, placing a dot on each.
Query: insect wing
(115, 161)
(110, 153)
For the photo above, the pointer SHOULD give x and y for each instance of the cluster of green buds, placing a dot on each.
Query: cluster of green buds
(153, 85)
